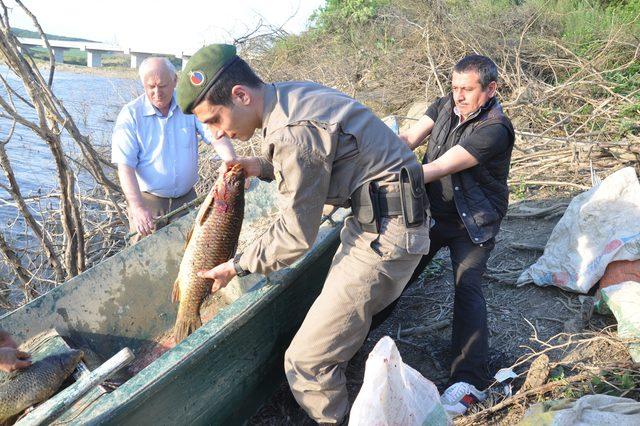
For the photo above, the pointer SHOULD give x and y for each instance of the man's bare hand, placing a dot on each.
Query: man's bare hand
(6, 341)
(142, 219)
(12, 359)
(221, 275)
(405, 139)
(250, 165)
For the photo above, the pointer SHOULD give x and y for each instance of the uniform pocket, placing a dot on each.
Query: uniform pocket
(396, 240)
(282, 186)
(390, 242)
(279, 178)
(417, 239)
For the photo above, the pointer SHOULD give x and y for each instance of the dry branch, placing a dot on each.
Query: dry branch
(61, 232)
(535, 392)
(425, 328)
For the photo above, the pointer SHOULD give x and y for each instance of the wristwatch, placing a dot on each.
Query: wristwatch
(239, 271)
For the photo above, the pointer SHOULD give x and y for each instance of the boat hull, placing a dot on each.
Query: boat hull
(221, 373)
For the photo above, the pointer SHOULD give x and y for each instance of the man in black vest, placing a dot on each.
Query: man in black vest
(465, 171)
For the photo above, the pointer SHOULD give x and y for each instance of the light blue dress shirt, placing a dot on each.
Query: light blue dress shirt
(162, 150)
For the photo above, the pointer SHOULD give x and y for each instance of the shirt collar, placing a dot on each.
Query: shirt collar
(269, 105)
(149, 109)
(486, 106)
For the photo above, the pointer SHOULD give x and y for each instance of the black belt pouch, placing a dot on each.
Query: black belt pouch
(366, 208)
(413, 196)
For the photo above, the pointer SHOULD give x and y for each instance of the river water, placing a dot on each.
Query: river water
(93, 101)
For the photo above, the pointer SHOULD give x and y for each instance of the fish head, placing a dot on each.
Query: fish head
(68, 360)
(230, 185)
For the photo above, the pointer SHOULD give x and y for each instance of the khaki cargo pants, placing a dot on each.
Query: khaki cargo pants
(160, 206)
(368, 272)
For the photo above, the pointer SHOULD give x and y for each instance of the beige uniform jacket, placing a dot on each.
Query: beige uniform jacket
(320, 145)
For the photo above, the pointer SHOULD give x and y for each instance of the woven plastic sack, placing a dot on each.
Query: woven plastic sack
(617, 272)
(624, 301)
(590, 410)
(600, 225)
(393, 393)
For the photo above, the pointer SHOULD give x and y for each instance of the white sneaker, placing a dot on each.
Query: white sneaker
(459, 397)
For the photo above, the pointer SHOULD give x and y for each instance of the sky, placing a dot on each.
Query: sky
(166, 25)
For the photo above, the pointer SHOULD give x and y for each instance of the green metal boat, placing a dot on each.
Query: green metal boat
(220, 374)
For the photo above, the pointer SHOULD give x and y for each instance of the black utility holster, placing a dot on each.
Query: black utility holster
(413, 195)
(366, 208)
(370, 205)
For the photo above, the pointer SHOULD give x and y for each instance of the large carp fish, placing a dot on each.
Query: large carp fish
(213, 240)
(36, 383)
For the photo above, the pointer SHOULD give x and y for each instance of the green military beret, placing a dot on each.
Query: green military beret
(203, 69)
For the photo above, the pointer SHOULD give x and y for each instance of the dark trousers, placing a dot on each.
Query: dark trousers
(470, 334)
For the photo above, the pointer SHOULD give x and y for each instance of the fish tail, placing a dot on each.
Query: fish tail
(175, 293)
(185, 325)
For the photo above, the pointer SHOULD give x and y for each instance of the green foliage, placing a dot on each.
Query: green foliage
(19, 32)
(71, 56)
(75, 56)
(556, 374)
(338, 14)
(582, 22)
(627, 80)
(78, 57)
(586, 22)
(520, 191)
(385, 53)
(434, 269)
(483, 9)
(628, 84)
(616, 384)
(631, 111)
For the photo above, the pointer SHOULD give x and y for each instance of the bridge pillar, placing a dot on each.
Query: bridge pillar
(58, 54)
(184, 61)
(94, 59)
(137, 58)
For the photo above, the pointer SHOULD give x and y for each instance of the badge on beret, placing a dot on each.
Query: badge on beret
(197, 78)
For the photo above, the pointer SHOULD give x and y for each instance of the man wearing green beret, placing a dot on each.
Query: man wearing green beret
(322, 147)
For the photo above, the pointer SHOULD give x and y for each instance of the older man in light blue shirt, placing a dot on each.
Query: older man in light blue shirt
(155, 147)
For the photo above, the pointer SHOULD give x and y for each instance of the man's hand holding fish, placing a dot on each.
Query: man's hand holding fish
(11, 358)
(221, 275)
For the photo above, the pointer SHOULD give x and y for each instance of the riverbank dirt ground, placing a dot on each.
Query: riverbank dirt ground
(519, 318)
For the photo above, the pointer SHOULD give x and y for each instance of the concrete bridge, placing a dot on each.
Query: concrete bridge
(96, 50)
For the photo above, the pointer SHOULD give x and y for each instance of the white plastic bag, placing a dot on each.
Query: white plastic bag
(393, 393)
(600, 225)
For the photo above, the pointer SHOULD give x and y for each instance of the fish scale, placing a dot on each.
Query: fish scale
(212, 241)
(36, 383)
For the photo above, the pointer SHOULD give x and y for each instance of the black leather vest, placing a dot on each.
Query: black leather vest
(481, 199)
